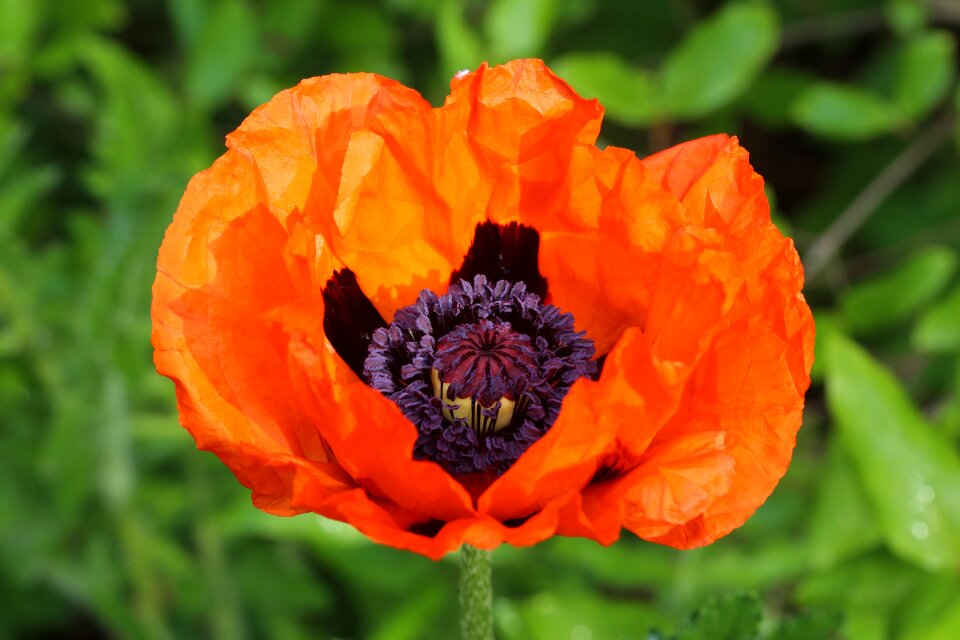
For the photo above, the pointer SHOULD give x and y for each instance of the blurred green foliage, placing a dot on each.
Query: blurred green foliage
(111, 525)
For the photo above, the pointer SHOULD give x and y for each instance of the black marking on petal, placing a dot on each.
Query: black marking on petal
(349, 319)
(504, 252)
(428, 529)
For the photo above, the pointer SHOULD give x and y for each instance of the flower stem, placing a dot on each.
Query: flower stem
(476, 594)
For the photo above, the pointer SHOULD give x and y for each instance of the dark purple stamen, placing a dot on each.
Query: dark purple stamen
(481, 371)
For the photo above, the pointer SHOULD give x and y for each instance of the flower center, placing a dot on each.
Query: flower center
(481, 371)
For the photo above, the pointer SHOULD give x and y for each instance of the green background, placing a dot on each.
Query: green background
(113, 526)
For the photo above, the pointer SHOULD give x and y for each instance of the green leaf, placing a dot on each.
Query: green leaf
(733, 616)
(518, 28)
(628, 95)
(364, 38)
(891, 298)
(750, 567)
(818, 624)
(137, 122)
(909, 471)
(719, 59)
(874, 581)
(187, 19)
(20, 192)
(947, 417)
(925, 71)
(842, 523)
(225, 50)
(770, 98)
(460, 45)
(866, 624)
(577, 613)
(633, 567)
(932, 612)
(827, 321)
(20, 188)
(17, 30)
(295, 21)
(938, 330)
(866, 589)
(841, 112)
(406, 622)
(906, 16)
(956, 127)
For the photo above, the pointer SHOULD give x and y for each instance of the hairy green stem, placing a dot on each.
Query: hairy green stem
(476, 594)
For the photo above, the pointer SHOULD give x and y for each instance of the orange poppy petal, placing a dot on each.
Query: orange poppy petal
(731, 438)
(604, 272)
(372, 439)
(498, 149)
(603, 423)
(676, 482)
(751, 386)
(522, 110)
(222, 329)
(713, 179)
(670, 264)
(414, 240)
(563, 515)
(609, 423)
(298, 139)
(211, 338)
(524, 124)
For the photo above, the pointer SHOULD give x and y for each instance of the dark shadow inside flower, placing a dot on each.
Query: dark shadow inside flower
(429, 528)
(515, 523)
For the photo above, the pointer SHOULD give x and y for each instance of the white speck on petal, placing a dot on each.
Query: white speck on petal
(461, 74)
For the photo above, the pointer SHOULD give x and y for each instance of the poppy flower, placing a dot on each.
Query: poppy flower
(469, 324)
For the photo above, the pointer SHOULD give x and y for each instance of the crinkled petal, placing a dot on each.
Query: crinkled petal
(670, 264)
(713, 179)
(563, 515)
(499, 150)
(607, 423)
(750, 386)
(674, 484)
(729, 336)
(524, 125)
(211, 335)
(298, 139)
(371, 438)
(603, 271)
(393, 229)
(750, 382)
(239, 277)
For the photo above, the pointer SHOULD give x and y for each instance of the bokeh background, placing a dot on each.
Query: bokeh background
(113, 526)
